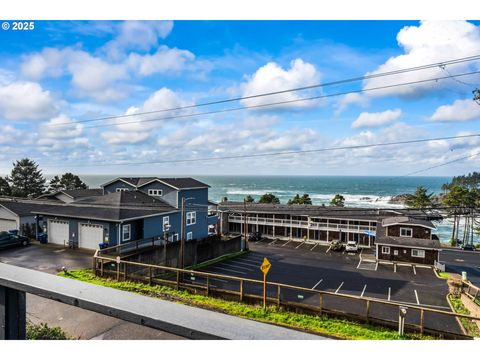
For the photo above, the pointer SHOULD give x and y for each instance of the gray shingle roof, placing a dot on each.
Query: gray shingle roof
(408, 242)
(179, 183)
(23, 207)
(401, 220)
(83, 193)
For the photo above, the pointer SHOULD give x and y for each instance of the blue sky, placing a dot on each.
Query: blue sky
(64, 72)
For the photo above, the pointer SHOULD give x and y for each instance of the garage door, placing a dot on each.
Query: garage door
(58, 232)
(90, 236)
(6, 225)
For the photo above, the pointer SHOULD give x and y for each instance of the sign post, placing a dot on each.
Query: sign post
(265, 267)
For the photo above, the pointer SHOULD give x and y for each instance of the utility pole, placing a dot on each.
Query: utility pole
(245, 226)
(182, 233)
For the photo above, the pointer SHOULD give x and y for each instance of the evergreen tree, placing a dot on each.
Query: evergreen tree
(269, 198)
(26, 180)
(249, 199)
(68, 181)
(338, 200)
(4, 187)
(420, 199)
(303, 200)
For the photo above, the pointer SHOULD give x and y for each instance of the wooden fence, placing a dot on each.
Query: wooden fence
(365, 309)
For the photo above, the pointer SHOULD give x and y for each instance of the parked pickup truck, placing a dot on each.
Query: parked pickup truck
(8, 239)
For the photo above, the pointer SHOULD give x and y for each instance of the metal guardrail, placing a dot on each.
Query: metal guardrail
(303, 224)
(278, 294)
(168, 316)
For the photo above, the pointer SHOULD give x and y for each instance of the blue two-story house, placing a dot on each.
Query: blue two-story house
(130, 209)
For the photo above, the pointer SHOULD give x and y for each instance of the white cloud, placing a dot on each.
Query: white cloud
(141, 127)
(370, 120)
(460, 110)
(430, 42)
(165, 60)
(138, 35)
(50, 62)
(61, 127)
(271, 77)
(24, 100)
(10, 135)
(353, 98)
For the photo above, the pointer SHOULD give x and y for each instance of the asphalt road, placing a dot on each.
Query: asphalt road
(458, 260)
(78, 323)
(342, 273)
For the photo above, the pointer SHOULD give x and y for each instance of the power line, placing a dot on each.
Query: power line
(280, 153)
(436, 79)
(338, 82)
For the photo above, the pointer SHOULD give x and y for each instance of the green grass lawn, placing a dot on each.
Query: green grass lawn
(444, 275)
(322, 325)
(469, 325)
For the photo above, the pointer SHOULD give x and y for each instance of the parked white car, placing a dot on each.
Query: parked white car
(351, 246)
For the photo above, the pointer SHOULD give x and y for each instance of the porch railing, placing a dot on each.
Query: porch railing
(132, 246)
(304, 224)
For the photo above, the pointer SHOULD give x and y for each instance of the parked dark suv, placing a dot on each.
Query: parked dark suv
(8, 239)
(254, 236)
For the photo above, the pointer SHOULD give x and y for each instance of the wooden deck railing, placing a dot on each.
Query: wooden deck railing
(290, 296)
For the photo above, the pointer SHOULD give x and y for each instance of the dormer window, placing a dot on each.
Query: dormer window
(121, 189)
(406, 232)
(155, 192)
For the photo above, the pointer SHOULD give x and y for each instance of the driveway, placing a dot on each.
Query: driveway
(78, 323)
(458, 260)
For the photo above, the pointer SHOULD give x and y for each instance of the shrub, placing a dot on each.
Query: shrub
(45, 332)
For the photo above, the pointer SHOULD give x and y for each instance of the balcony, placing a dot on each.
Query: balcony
(326, 226)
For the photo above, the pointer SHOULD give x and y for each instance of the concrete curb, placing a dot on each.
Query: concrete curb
(456, 318)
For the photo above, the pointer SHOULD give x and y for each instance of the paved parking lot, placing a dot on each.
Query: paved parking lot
(314, 267)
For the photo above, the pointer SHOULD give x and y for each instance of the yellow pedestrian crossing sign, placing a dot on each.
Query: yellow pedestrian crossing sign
(265, 266)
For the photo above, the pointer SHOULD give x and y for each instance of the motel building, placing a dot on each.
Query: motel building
(408, 233)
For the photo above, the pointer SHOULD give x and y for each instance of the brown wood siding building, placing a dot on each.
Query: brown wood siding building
(418, 232)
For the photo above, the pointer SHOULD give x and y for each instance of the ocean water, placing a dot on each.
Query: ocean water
(361, 191)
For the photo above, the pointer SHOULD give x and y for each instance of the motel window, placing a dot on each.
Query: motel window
(189, 235)
(191, 217)
(385, 249)
(166, 220)
(406, 232)
(418, 253)
(155, 192)
(121, 189)
(126, 232)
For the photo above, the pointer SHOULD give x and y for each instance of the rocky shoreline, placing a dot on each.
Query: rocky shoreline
(403, 198)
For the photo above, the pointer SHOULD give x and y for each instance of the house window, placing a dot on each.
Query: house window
(126, 230)
(191, 217)
(406, 232)
(189, 235)
(386, 250)
(155, 192)
(418, 253)
(121, 189)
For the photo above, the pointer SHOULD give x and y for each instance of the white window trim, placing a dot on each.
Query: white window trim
(166, 220)
(418, 251)
(189, 235)
(155, 192)
(175, 237)
(191, 218)
(408, 229)
(384, 248)
(121, 189)
(127, 226)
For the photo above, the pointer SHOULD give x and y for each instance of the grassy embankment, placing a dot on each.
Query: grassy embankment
(469, 325)
(317, 324)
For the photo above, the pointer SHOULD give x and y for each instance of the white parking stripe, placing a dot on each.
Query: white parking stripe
(244, 263)
(359, 263)
(376, 266)
(389, 291)
(296, 247)
(363, 291)
(416, 297)
(394, 267)
(237, 267)
(234, 271)
(414, 271)
(339, 288)
(318, 283)
(286, 243)
(314, 247)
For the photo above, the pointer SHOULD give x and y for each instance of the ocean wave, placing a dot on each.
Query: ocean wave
(238, 191)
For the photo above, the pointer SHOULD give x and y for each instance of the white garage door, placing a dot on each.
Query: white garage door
(6, 225)
(90, 236)
(58, 232)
